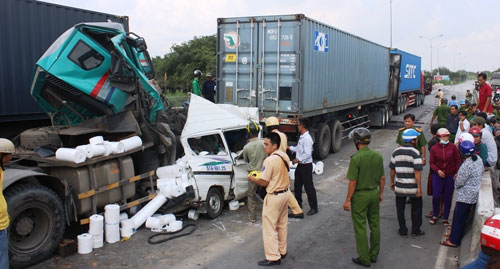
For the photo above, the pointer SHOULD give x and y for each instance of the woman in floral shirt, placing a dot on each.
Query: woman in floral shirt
(467, 187)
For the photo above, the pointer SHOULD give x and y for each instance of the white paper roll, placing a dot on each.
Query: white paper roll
(314, 167)
(320, 164)
(108, 147)
(131, 143)
(148, 210)
(95, 151)
(96, 140)
(171, 171)
(98, 240)
(84, 243)
(293, 165)
(127, 224)
(71, 155)
(192, 214)
(234, 205)
(174, 226)
(164, 182)
(123, 216)
(167, 219)
(291, 174)
(318, 171)
(153, 222)
(96, 225)
(112, 213)
(126, 232)
(118, 147)
(112, 232)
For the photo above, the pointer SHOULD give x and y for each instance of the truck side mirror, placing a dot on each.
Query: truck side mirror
(138, 42)
(120, 72)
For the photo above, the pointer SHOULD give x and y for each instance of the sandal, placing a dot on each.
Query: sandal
(418, 234)
(433, 220)
(446, 223)
(447, 243)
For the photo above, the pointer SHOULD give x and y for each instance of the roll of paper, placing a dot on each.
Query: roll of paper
(118, 147)
(153, 222)
(108, 148)
(96, 225)
(71, 155)
(126, 232)
(171, 171)
(167, 219)
(291, 174)
(95, 150)
(131, 143)
(112, 213)
(98, 240)
(318, 171)
(320, 164)
(112, 232)
(127, 224)
(174, 226)
(192, 214)
(96, 140)
(148, 210)
(234, 205)
(85, 243)
(123, 216)
(164, 182)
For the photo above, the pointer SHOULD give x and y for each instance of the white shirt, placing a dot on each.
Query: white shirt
(466, 125)
(304, 148)
(488, 139)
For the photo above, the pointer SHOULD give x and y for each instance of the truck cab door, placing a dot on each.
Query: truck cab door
(210, 162)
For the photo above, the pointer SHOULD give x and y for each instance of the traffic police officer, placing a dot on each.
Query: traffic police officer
(274, 177)
(254, 154)
(366, 190)
(272, 125)
(421, 141)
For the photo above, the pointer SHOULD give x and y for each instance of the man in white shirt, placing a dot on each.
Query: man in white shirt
(487, 139)
(303, 173)
(463, 125)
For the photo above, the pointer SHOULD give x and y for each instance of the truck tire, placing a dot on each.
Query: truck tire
(37, 223)
(215, 203)
(322, 142)
(337, 134)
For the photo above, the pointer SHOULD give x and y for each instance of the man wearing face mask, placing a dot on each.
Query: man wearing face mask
(366, 190)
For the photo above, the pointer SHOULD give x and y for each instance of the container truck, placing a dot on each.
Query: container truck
(292, 67)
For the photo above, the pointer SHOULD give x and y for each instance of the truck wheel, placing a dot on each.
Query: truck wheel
(215, 203)
(322, 142)
(36, 223)
(337, 133)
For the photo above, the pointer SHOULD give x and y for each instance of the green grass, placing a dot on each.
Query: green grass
(178, 98)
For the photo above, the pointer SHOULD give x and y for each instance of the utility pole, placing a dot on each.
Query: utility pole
(430, 40)
(390, 30)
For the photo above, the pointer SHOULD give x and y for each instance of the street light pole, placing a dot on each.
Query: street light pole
(430, 40)
(390, 30)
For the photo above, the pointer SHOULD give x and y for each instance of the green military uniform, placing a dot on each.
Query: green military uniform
(421, 141)
(196, 86)
(442, 113)
(254, 153)
(366, 168)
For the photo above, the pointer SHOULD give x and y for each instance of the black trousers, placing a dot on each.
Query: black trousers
(304, 177)
(416, 214)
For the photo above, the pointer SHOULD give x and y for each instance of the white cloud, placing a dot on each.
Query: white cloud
(469, 27)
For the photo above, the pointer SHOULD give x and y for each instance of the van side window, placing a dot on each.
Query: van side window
(85, 57)
(209, 143)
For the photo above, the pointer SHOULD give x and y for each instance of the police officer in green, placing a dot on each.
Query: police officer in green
(196, 87)
(366, 190)
(441, 112)
(254, 154)
(421, 141)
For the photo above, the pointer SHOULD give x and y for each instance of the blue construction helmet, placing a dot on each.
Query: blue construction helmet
(409, 134)
(467, 147)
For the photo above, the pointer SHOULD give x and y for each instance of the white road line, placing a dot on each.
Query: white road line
(441, 257)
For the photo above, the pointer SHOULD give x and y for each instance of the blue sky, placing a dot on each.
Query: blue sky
(471, 29)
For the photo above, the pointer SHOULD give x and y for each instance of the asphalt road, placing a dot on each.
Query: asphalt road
(325, 240)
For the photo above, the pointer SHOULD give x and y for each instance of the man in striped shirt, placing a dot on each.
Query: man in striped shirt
(406, 171)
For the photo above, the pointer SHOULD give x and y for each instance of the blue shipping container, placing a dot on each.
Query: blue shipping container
(291, 65)
(410, 71)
